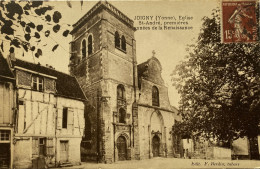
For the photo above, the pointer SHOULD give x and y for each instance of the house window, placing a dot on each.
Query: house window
(155, 96)
(37, 83)
(4, 135)
(123, 42)
(83, 49)
(89, 45)
(122, 115)
(65, 118)
(120, 92)
(117, 40)
(42, 146)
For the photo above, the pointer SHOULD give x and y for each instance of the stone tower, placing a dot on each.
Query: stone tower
(103, 58)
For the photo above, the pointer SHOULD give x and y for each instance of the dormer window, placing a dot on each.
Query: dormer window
(37, 83)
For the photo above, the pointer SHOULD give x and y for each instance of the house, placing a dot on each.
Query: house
(7, 113)
(49, 122)
(129, 115)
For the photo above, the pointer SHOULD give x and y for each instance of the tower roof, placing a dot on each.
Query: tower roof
(106, 6)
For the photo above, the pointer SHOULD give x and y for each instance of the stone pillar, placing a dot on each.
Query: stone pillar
(116, 154)
(107, 128)
(135, 131)
(150, 142)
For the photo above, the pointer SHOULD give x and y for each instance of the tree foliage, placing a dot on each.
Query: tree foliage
(219, 86)
(24, 24)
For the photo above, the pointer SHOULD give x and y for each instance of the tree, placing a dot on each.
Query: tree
(24, 24)
(219, 86)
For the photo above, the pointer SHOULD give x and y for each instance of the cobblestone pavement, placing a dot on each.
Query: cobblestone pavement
(169, 163)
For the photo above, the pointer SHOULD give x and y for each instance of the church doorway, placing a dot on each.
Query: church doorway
(121, 147)
(156, 146)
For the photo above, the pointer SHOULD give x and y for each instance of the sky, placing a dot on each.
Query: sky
(169, 45)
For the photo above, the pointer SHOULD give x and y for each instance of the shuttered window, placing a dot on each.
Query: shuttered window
(35, 148)
(50, 147)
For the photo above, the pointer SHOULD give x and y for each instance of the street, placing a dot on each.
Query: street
(169, 163)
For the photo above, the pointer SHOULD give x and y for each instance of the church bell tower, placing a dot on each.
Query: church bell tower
(103, 58)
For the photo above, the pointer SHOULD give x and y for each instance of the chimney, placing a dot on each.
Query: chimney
(12, 54)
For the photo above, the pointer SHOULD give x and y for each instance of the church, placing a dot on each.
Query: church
(128, 113)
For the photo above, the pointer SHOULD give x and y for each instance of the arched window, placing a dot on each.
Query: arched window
(120, 92)
(155, 96)
(117, 40)
(122, 115)
(90, 45)
(123, 42)
(83, 49)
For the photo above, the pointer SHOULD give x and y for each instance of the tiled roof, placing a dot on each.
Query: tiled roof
(5, 71)
(66, 85)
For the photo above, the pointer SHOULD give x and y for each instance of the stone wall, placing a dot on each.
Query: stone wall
(240, 148)
(218, 153)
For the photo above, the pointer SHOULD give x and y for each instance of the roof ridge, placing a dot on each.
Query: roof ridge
(44, 67)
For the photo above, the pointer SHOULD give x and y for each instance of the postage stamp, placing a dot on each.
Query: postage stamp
(239, 23)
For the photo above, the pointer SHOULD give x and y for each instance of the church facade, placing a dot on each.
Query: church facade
(128, 114)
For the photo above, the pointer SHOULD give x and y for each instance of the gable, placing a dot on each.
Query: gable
(151, 70)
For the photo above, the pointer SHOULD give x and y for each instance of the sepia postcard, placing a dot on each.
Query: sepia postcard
(129, 84)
